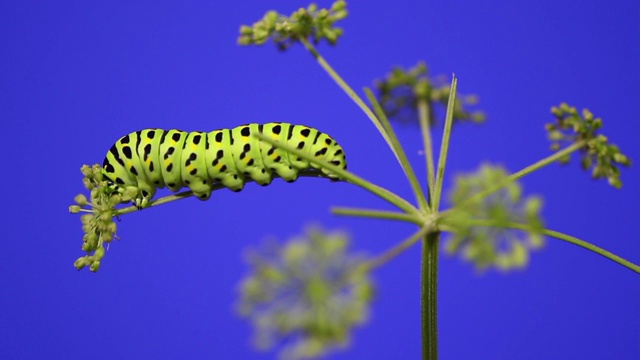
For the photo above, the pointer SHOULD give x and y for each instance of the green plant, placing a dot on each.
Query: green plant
(492, 223)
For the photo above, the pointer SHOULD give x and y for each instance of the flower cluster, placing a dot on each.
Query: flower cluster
(597, 154)
(310, 23)
(97, 219)
(309, 292)
(497, 230)
(402, 90)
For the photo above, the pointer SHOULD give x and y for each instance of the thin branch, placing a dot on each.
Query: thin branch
(583, 244)
(444, 147)
(520, 174)
(404, 162)
(352, 94)
(379, 214)
(346, 175)
(424, 111)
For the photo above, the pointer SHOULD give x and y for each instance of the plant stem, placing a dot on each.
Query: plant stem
(583, 244)
(444, 147)
(352, 94)
(404, 162)
(527, 170)
(429, 298)
(424, 111)
(344, 174)
(377, 214)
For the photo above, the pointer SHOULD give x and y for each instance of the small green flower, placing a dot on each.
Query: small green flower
(97, 217)
(596, 154)
(482, 231)
(307, 293)
(311, 23)
(401, 91)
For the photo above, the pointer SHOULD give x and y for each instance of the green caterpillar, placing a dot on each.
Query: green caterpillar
(149, 159)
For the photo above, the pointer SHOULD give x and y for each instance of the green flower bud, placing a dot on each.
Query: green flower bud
(86, 170)
(338, 5)
(245, 40)
(88, 184)
(107, 237)
(80, 263)
(615, 182)
(621, 159)
(87, 218)
(339, 15)
(74, 209)
(271, 17)
(99, 254)
(246, 30)
(87, 247)
(80, 199)
(95, 193)
(115, 200)
(95, 266)
(90, 237)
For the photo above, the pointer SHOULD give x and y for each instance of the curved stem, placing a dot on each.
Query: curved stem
(527, 170)
(404, 162)
(344, 174)
(583, 244)
(352, 94)
(558, 235)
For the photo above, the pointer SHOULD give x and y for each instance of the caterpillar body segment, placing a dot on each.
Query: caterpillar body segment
(146, 160)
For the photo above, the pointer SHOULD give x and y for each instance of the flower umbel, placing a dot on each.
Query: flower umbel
(310, 23)
(484, 230)
(97, 220)
(401, 90)
(597, 153)
(307, 293)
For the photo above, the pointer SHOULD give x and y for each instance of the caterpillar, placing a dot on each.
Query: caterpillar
(149, 159)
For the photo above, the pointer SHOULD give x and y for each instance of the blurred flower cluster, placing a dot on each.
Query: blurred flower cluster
(597, 154)
(306, 294)
(310, 23)
(402, 90)
(483, 230)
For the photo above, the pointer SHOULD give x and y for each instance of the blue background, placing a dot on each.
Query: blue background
(76, 75)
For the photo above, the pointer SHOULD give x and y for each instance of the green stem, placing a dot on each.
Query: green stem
(444, 147)
(583, 244)
(527, 170)
(558, 235)
(344, 174)
(424, 111)
(377, 214)
(352, 94)
(404, 162)
(429, 298)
